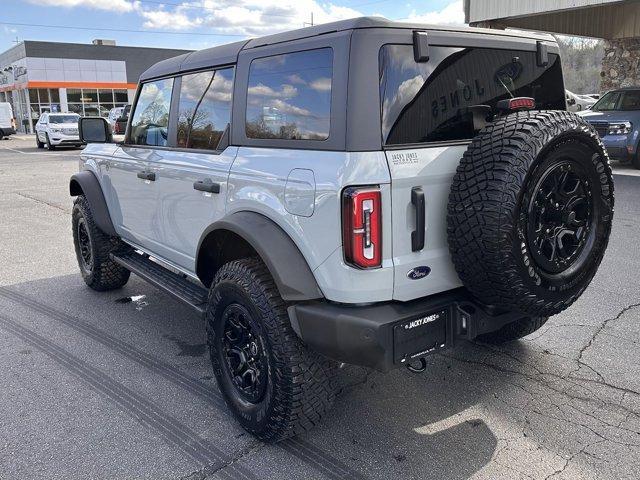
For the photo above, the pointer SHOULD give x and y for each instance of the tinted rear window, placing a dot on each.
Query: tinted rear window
(289, 96)
(429, 102)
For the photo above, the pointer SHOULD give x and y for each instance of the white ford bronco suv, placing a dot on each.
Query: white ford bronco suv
(362, 192)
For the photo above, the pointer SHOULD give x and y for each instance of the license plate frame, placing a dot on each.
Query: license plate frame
(420, 336)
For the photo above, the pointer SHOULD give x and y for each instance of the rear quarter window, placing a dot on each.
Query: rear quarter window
(430, 102)
(289, 96)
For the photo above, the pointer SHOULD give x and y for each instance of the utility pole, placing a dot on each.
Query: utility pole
(304, 24)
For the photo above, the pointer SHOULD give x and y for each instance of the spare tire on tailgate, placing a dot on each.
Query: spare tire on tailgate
(530, 211)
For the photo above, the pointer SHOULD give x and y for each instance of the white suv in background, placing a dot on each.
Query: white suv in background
(55, 129)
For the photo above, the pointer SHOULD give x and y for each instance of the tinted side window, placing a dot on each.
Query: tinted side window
(205, 108)
(150, 122)
(430, 102)
(289, 96)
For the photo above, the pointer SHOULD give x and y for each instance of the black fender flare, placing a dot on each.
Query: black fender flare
(87, 184)
(285, 262)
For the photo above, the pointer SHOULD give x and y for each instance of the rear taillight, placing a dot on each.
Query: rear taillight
(362, 226)
(518, 103)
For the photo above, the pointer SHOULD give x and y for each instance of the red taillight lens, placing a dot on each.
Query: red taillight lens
(362, 226)
(518, 103)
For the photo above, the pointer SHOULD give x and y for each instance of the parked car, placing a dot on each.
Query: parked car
(120, 126)
(114, 114)
(57, 129)
(381, 191)
(578, 103)
(7, 120)
(616, 117)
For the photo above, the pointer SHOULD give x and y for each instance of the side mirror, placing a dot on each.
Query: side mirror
(94, 130)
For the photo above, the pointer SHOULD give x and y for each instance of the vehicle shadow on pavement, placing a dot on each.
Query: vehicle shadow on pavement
(476, 411)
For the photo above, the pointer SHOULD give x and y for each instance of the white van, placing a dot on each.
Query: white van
(7, 122)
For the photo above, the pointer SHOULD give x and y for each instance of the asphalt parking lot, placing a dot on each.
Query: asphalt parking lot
(119, 385)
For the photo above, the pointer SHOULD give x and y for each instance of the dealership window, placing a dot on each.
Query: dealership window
(434, 101)
(95, 102)
(43, 100)
(205, 108)
(289, 96)
(150, 122)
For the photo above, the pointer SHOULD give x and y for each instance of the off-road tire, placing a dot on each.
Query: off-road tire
(513, 331)
(496, 182)
(49, 146)
(300, 384)
(100, 272)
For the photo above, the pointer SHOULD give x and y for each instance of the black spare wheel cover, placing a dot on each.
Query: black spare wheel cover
(530, 211)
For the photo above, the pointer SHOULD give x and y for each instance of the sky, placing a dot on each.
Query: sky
(195, 24)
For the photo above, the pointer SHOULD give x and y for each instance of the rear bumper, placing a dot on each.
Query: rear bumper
(382, 336)
(8, 131)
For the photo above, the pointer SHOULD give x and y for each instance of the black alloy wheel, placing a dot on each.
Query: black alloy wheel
(84, 245)
(244, 353)
(560, 218)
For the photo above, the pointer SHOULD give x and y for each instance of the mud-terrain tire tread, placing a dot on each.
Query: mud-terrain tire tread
(513, 331)
(106, 274)
(484, 198)
(304, 381)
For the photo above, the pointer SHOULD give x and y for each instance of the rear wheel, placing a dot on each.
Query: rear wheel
(93, 250)
(273, 384)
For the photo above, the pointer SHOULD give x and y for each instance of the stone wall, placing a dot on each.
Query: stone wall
(621, 64)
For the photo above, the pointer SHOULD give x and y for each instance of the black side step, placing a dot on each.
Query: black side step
(174, 284)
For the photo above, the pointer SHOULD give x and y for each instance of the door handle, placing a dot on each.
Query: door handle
(206, 185)
(417, 236)
(144, 175)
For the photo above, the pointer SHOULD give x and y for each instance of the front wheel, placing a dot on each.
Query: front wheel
(39, 144)
(273, 384)
(49, 146)
(93, 250)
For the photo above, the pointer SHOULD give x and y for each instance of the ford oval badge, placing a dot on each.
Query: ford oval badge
(419, 272)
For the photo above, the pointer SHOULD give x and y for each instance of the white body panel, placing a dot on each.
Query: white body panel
(431, 169)
(272, 181)
(300, 190)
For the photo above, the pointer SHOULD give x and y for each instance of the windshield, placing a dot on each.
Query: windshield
(63, 118)
(621, 101)
(435, 101)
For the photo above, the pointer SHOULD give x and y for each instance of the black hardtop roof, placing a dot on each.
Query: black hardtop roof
(228, 54)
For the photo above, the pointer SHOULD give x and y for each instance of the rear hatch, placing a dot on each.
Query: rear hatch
(430, 111)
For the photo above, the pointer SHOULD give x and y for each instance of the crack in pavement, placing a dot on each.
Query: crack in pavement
(43, 202)
(602, 327)
(209, 470)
